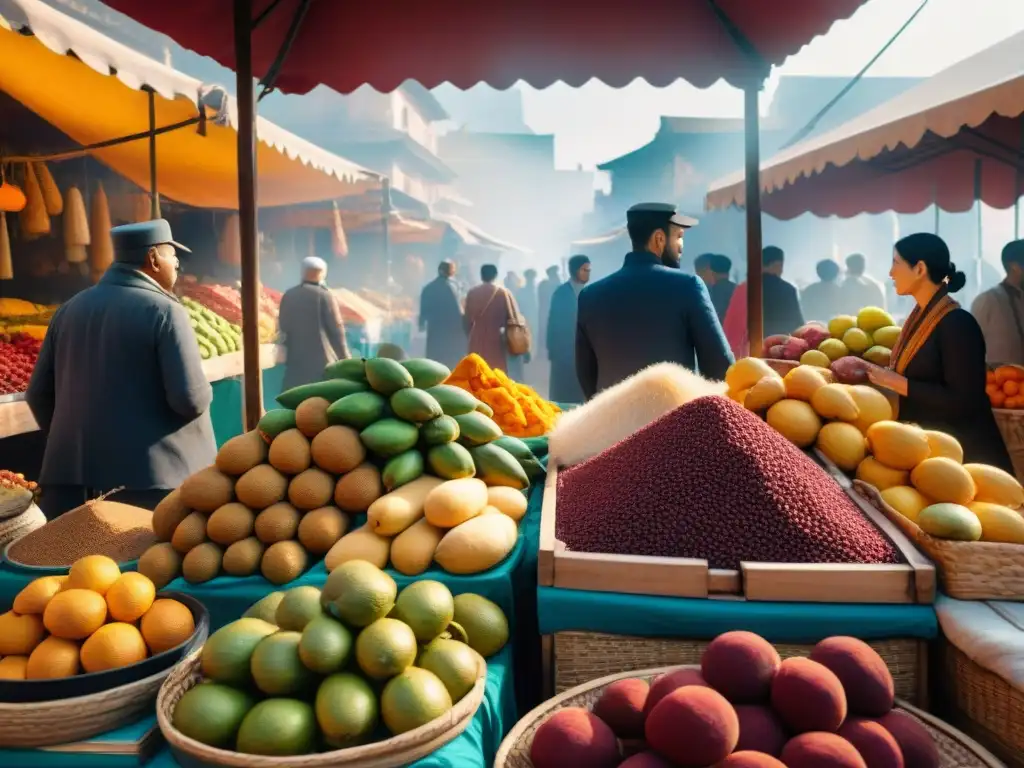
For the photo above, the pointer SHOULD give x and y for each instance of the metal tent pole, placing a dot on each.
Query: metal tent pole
(247, 177)
(751, 119)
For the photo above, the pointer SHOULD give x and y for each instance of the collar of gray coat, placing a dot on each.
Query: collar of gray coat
(129, 277)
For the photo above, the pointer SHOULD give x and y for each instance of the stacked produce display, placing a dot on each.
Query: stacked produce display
(434, 475)
(711, 480)
(309, 670)
(94, 619)
(745, 708)
(226, 302)
(215, 335)
(869, 335)
(919, 473)
(22, 328)
(518, 409)
(1005, 387)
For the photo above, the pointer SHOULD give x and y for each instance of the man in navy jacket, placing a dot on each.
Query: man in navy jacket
(648, 311)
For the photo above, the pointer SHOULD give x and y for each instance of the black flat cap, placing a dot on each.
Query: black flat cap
(662, 212)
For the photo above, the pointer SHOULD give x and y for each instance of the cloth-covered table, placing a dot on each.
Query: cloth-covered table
(473, 748)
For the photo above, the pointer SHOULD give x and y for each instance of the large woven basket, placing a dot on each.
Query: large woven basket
(1011, 425)
(984, 705)
(970, 570)
(583, 656)
(63, 721)
(956, 750)
(390, 753)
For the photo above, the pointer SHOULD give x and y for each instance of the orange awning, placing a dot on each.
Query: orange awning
(95, 95)
(916, 150)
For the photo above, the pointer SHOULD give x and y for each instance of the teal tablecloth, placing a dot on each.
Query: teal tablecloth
(473, 748)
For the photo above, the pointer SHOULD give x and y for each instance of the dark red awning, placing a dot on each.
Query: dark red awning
(346, 44)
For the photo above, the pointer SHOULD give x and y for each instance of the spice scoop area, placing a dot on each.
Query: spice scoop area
(402, 561)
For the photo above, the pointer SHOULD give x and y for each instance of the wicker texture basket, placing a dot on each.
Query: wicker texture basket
(985, 705)
(47, 723)
(584, 656)
(970, 570)
(14, 527)
(955, 749)
(1011, 426)
(390, 753)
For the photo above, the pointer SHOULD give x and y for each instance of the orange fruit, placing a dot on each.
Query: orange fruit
(54, 657)
(166, 625)
(129, 597)
(1011, 388)
(999, 400)
(34, 597)
(19, 635)
(95, 572)
(74, 614)
(112, 646)
(13, 667)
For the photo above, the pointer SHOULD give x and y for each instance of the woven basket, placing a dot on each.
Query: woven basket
(390, 753)
(970, 570)
(1011, 425)
(45, 724)
(584, 656)
(985, 705)
(955, 749)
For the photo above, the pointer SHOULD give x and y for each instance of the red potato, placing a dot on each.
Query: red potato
(794, 348)
(771, 341)
(813, 334)
(850, 370)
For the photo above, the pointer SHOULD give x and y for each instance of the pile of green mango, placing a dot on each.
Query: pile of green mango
(215, 335)
(412, 423)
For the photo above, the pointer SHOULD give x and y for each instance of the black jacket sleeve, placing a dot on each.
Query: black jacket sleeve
(586, 360)
(42, 387)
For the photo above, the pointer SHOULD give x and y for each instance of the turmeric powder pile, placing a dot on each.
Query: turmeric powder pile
(518, 409)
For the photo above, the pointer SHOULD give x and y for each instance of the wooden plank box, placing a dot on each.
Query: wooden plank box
(912, 581)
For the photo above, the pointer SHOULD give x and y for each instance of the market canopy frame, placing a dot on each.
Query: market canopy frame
(954, 139)
(95, 90)
(293, 45)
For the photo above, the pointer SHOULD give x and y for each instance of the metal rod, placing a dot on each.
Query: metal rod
(385, 212)
(248, 234)
(751, 118)
(977, 203)
(154, 191)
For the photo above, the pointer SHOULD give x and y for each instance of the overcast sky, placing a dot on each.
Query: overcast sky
(596, 123)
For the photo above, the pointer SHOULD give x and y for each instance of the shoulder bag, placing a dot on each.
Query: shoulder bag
(517, 332)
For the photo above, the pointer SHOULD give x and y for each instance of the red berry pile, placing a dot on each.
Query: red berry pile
(18, 355)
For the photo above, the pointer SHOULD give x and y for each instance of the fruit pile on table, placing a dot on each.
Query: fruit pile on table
(423, 461)
(919, 473)
(745, 707)
(359, 661)
(1004, 386)
(870, 335)
(94, 619)
(226, 301)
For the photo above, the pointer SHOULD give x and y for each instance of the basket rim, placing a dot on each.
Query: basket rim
(531, 717)
(457, 719)
(949, 545)
(79, 701)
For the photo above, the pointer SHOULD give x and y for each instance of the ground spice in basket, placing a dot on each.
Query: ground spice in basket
(119, 531)
(712, 481)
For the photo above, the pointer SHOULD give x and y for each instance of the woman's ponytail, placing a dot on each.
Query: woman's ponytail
(956, 280)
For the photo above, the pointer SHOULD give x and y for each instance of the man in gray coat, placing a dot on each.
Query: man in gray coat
(311, 323)
(119, 388)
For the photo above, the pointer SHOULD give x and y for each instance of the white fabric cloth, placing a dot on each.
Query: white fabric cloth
(989, 633)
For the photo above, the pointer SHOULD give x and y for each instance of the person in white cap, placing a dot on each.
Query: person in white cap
(311, 326)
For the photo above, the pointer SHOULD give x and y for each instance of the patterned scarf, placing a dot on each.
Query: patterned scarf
(918, 328)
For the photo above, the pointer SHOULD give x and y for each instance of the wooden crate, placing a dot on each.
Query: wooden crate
(912, 581)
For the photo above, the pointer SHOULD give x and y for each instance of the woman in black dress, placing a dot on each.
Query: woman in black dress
(938, 365)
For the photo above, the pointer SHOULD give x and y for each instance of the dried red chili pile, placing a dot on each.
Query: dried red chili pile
(712, 481)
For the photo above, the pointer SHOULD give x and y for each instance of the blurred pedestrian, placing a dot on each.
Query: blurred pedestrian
(1000, 310)
(489, 308)
(859, 290)
(311, 325)
(821, 300)
(722, 287)
(561, 330)
(441, 317)
(545, 291)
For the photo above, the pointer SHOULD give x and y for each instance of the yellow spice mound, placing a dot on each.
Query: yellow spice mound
(518, 409)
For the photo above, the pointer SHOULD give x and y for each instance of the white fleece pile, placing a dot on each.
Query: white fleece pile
(618, 412)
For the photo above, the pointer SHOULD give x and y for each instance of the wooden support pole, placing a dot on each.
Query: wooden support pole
(247, 177)
(154, 190)
(752, 130)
